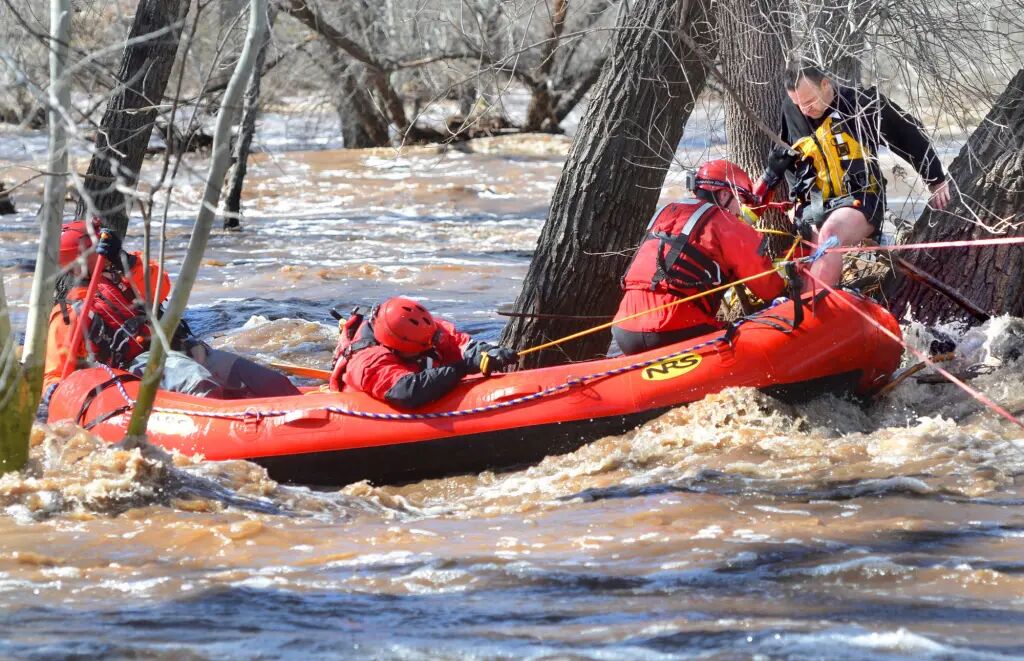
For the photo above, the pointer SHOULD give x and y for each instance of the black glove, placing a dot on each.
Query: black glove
(779, 162)
(473, 356)
(110, 247)
(805, 228)
(481, 357)
(498, 358)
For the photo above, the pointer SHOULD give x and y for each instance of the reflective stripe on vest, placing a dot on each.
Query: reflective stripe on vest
(667, 260)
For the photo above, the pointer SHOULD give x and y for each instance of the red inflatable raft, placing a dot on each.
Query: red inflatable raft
(504, 420)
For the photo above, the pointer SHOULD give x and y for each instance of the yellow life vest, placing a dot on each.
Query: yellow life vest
(840, 161)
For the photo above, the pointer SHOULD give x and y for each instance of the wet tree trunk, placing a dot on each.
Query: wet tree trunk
(246, 131)
(755, 36)
(752, 60)
(612, 178)
(540, 113)
(128, 120)
(989, 191)
(21, 381)
(362, 124)
(6, 203)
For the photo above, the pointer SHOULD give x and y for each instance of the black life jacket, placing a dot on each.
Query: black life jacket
(668, 262)
(118, 331)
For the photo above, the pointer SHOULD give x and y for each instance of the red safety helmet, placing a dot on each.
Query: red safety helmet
(404, 325)
(725, 175)
(75, 240)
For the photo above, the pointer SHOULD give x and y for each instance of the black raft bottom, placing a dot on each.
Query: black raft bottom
(501, 450)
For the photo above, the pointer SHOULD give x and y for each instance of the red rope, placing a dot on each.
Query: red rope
(981, 397)
(1011, 240)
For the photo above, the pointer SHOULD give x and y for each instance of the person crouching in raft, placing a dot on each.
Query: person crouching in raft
(690, 247)
(400, 354)
(118, 334)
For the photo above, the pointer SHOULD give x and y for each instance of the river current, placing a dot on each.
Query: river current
(733, 527)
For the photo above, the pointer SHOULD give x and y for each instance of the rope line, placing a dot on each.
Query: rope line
(571, 382)
(1003, 241)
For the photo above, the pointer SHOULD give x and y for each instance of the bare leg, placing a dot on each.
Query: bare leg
(851, 226)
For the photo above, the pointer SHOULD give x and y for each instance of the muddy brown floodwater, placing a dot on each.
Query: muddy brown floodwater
(736, 526)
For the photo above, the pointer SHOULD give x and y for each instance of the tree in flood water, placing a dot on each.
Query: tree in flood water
(21, 377)
(124, 133)
(613, 176)
(989, 200)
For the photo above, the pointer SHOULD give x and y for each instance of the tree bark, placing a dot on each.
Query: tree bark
(362, 124)
(6, 203)
(21, 383)
(752, 60)
(612, 178)
(128, 120)
(752, 57)
(246, 131)
(540, 113)
(988, 198)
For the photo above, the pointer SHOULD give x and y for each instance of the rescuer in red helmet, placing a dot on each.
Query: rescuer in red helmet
(690, 247)
(118, 334)
(399, 353)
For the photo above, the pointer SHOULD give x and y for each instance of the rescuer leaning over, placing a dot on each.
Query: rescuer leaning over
(690, 247)
(399, 353)
(118, 335)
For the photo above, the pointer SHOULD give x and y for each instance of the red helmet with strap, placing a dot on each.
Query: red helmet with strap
(724, 175)
(75, 240)
(404, 325)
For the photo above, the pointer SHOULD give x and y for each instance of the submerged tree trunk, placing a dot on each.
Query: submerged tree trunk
(362, 124)
(128, 120)
(612, 178)
(988, 199)
(246, 131)
(21, 382)
(219, 162)
(6, 203)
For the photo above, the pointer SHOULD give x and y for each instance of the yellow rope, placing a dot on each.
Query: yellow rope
(609, 324)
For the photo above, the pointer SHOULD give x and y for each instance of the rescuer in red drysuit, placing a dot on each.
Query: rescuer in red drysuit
(691, 247)
(400, 354)
(118, 334)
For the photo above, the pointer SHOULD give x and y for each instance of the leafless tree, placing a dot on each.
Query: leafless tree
(613, 177)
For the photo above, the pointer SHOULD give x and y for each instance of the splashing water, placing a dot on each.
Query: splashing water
(733, 526)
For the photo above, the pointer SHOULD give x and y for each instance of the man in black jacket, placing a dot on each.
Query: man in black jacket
(834, 176)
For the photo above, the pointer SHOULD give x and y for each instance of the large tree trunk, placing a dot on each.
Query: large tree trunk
(540, 113)
(752, 60)
(752, 56)
(989, 176)
(362, 124)
(612, 178)
(21, 383)
(128, 120)
(6, 203)
(246, 131)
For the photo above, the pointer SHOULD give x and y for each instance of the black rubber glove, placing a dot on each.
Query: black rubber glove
(779, 161)
(110, 247)
(473, 356)
(498, 358)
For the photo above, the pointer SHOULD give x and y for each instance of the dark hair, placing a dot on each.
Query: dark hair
(705, 195)
(796, 71)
